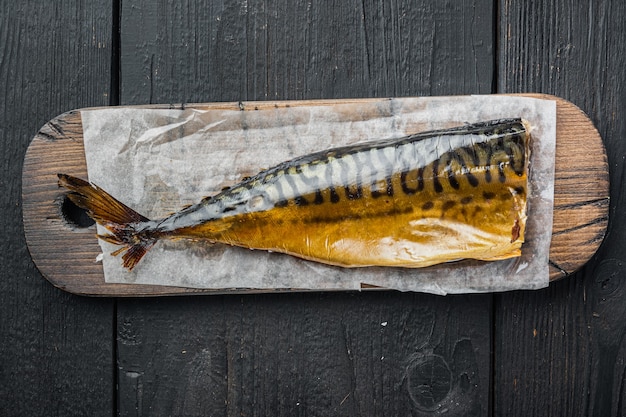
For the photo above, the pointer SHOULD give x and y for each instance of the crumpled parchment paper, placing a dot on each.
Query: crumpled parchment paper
(157, 161)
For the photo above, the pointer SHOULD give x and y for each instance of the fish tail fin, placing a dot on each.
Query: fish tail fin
(127, 227)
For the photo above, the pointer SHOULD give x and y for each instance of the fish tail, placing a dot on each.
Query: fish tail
(127, 227)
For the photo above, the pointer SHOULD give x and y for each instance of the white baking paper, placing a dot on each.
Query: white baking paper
(157, 161)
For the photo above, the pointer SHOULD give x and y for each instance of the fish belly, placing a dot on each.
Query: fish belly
(407, 232)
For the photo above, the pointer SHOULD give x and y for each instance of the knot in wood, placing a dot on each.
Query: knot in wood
(429, 381)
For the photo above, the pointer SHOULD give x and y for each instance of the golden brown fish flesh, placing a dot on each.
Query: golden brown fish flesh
(414, 201)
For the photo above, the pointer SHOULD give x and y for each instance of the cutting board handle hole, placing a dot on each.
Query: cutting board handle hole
(75, 215)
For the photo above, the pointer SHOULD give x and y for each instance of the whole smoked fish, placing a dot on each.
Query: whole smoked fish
(414, 201)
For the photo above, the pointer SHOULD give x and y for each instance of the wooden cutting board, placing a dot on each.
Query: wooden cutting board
(65, 250)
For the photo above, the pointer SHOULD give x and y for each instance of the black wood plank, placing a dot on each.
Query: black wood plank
(232, 50)
(297, 354)
(55, 348)
(561, 351)
(352, 354)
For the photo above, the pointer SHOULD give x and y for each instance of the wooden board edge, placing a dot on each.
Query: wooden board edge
(588, 233)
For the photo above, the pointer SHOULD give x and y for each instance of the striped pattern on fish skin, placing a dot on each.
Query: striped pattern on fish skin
(414, 201)
(411, 202)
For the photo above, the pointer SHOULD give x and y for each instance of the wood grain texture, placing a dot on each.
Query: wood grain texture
(320, 354)
(306, 353)
(561, 351)
(238, 50)
(55, 348)
(580, 217)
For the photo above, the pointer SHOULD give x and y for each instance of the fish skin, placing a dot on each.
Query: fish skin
(411, 202)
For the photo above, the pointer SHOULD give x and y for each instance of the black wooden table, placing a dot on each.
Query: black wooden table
(558, 351)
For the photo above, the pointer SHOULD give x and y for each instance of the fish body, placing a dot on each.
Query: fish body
(414, 201)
